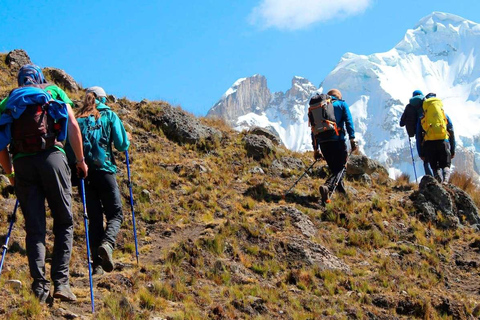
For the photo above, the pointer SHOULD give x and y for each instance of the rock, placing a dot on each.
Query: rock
(179, 126)
(361, 164)
(17, 58)
(465, 205)
(454, 204)
(266, 133)
(297, 250)
(258, 147)
(66, 313)
(278, 166)
(15, 284)
(146, 195)
(62, 79)
(299, 220)
(256, 170)
(365, 179)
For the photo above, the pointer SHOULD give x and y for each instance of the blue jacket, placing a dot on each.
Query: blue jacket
(344, 120)
(19, 99)
(420, 133)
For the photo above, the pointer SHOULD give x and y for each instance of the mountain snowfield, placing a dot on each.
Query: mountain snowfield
(440, 54)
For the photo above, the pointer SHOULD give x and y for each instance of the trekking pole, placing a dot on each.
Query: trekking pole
(413, 159)
(85, 221)
(131, 204)
(13, 217)
(288, 191)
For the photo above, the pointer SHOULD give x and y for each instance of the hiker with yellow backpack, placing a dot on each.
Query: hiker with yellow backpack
(436, 138)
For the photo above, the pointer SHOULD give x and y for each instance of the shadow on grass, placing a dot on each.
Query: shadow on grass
(260, 192)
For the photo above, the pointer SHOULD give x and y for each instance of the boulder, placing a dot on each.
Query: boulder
(266, 133)
(297, 250)
(455, 205)
(179, 126)
(360, 164)
(17, 58)
(258, 147)
(62, 79)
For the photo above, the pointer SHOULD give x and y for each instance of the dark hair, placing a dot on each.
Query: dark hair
(89, 107)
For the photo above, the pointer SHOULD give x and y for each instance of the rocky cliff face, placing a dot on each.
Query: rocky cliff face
(245, 96)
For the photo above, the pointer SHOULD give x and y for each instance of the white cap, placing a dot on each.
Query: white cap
(98, 91)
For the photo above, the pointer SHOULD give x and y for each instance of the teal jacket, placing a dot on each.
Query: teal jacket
(116, 135)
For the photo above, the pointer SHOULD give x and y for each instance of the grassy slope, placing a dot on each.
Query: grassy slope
(209, 243)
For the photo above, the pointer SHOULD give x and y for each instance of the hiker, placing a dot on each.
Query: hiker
(436, 138)
(40, 171)
(100, 126)
(328, 116)
(412, 113)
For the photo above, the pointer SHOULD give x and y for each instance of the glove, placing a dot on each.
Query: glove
(353, 145)
(317, 155)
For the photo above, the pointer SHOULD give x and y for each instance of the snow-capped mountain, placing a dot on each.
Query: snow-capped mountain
(440, 54)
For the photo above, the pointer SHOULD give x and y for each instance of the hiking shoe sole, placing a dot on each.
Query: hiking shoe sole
(107, 261)
(65, 294)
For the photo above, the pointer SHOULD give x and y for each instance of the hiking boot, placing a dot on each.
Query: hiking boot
(41, 292)
(324, 191)
(64, 293)
(97, 270)
(105, 253)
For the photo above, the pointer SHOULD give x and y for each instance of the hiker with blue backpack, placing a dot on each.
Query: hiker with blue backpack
(412, 113)
(436, 138)
(34, 125)
(329, 115)
(100, 127)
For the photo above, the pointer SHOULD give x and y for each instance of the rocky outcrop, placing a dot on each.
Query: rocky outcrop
(359, 164)
(17, 58)
(245, 96)
(179, 126)
(297, 218)
(455, 205)
(258, 147)
(300, 251)
(62, 79)
(266, 133)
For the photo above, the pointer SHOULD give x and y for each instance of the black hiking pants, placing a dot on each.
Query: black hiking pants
(437, 153)
(46, 175)
(335, 154)
(102, 198)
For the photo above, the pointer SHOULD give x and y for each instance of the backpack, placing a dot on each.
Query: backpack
(34, 127)
(95, 141)
(322, 116)
(434, 121)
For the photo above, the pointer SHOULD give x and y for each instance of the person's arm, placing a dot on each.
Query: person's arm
(348, 121)
(75, 140)
(119, 135)
(402, 119)
(451, 137)
(7, 164)
(419, 138)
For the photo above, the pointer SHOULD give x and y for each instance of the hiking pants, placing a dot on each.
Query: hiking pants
(437, 153)
(46, 175)
(335, 154)
(426, 167)
(102, 197)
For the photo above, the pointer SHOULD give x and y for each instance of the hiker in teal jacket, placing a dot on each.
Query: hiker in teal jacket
(99, 123)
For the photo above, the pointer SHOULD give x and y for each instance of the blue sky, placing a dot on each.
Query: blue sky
(190, 52)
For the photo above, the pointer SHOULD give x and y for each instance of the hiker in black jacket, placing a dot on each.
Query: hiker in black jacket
(414, 111)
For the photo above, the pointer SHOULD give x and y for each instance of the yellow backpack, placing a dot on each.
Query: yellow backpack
(434, 121)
